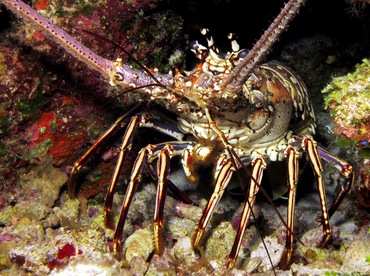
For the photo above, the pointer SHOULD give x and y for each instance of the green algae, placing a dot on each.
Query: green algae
(44, 179)
(12, 214)
(70, 212)
(220, 242)
(139, 245)
(30, 109)
(348, 100)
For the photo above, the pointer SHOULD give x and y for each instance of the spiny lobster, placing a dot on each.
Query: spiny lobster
(237, 113)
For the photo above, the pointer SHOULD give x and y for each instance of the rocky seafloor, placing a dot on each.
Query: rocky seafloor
(51, 111)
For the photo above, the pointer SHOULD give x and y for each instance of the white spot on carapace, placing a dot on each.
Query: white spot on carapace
(293, 79)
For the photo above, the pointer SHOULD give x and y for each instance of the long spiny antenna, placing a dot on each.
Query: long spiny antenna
(96, 62)
(128, 76)
(237, 78)
(146, 70)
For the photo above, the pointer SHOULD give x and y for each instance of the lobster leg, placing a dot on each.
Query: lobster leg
(346, 170)
(126, 146)
(140, 120)
(163, 172)
(292, 162)
(259, 165)
(80, 163)
(310, 147)
(136, 174)
(163, 152)
(224, 169)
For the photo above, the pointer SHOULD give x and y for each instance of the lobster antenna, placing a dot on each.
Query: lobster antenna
(146, 70)
(158, 83)
(78, 50)
(236, 79)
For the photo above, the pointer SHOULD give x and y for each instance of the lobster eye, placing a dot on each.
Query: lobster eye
(236, 58)
(242, 54)
(197, 48)
(118, 77)
(193, 45)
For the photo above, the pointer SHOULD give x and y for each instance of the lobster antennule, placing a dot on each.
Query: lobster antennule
(81, 52)
(236, 79)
